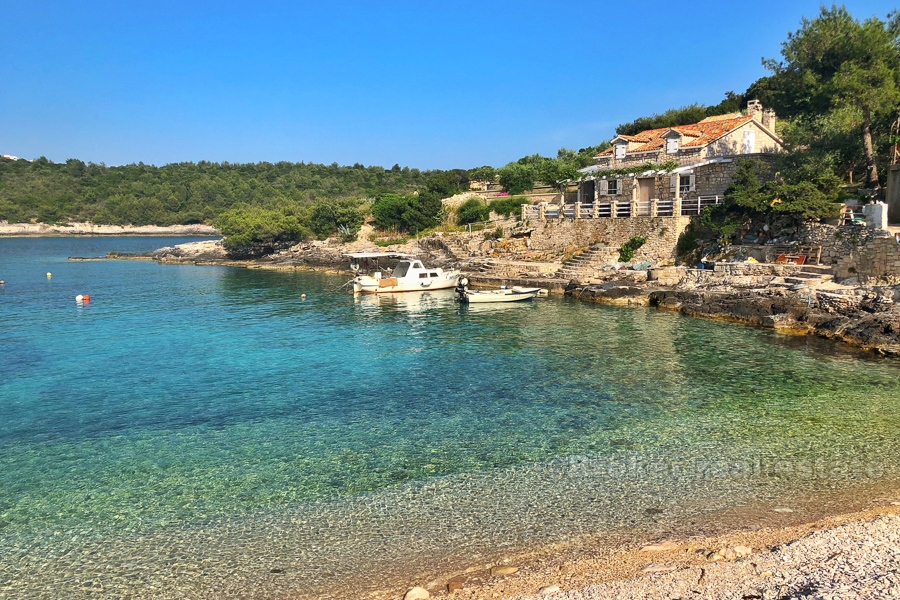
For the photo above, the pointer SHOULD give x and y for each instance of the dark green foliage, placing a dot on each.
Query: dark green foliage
(485, 173)
(800, 191)
(686, 115)
(252, 231)
(843, 73)
(412, 214)
(626, 252)
(687, 243)
(510, 206)
(182, 193)
(521, 176)
(388, 210)
(329, 217)
(517, 177)
(472, 210)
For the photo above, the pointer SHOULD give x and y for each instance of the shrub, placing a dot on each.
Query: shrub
(626, 252)
(407, 213)
(472, 210)
(251, 231)
(508, 207)
(687, 243)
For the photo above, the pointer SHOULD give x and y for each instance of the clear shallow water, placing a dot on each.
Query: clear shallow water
(205, 431)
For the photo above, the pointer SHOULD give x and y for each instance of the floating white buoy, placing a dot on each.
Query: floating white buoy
(303, 296)
(79, 298)
(2, 282)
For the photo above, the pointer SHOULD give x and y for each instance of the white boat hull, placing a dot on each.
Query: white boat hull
(514, 294)
(365, 284)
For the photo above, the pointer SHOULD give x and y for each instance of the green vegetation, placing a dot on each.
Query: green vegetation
(839, 82)
(251, 232)
(472, 210)
(510, 206)
(412, 214)
(799, 193)
(626, 252)
(522, 175)
(259, 207)
(685, 115)
(687, 243)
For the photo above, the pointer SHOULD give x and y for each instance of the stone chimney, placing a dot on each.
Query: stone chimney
(755, 109)
(768, 119)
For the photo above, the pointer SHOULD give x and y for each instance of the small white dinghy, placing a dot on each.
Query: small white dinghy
(504, 294)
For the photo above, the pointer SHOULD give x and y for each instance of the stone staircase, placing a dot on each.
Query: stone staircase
(456, 248)
(808, 276)
(587, 264)
(451, 246)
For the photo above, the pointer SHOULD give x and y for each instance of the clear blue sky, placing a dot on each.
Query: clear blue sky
(423, 84)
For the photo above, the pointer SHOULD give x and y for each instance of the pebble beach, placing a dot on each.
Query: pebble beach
(852, 556)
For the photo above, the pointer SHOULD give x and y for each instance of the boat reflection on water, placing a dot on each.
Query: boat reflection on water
(495, 307)
(407, 301)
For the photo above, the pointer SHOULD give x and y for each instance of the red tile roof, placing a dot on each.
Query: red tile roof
(702, 133)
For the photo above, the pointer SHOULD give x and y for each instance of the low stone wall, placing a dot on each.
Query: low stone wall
(879, 258)
(837, 241)
(560, 237)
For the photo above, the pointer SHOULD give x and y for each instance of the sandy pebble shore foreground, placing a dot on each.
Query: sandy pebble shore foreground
(17, 229)
(855, 556)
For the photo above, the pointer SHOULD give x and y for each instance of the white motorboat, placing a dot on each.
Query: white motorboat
(373, 276)
(504, 294)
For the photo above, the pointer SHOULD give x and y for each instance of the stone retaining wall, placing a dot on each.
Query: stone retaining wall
(879, 258)
(837, 241)
(565, 236)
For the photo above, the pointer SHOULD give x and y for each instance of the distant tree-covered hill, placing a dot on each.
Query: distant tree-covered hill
(184, 193)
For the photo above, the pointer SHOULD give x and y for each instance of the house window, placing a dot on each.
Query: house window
(612, 187)
(686, 184)
(749, 141)
(620, 150)
(671, 145)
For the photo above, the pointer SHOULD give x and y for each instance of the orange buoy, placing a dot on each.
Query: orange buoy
(87, 298)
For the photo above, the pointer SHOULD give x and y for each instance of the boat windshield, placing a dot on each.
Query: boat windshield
(401, 269)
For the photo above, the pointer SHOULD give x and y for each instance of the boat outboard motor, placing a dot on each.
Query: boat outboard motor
(461, 287)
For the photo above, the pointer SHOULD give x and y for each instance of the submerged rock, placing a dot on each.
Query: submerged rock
(417, 593)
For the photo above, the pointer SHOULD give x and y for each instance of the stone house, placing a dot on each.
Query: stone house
(706, 155)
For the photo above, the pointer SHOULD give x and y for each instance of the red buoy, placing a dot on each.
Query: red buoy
(87, 298)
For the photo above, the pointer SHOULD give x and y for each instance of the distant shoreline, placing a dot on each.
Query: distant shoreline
(79, 229)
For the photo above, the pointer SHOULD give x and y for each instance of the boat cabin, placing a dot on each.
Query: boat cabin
(404, 267)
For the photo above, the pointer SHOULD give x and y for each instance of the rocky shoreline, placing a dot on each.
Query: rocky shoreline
(864, 316)
(42, 229)
(785, 298)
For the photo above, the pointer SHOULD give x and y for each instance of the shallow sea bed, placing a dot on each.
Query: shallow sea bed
(204, 431)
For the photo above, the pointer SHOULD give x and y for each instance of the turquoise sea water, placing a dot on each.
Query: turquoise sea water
(203, 431)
